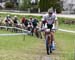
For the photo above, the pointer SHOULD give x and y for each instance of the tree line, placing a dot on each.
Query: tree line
(44, 5)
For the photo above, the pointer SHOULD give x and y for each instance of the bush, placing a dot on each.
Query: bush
(22, 7)
(34, 10)
(44, 5)
(66, 20)
(58, 7)
(9, 5)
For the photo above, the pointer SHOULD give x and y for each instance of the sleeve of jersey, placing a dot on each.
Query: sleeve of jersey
(43, 18)
(54, 17)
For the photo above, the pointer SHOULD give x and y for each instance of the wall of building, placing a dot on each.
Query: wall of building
(69, 5)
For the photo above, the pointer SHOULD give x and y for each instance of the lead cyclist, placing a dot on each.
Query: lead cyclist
(52, 23)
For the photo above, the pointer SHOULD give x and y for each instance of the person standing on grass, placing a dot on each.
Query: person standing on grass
(35, 23)
(8, 20)
(30, 25)
(35, 27)
(23, 20)
(15, 21)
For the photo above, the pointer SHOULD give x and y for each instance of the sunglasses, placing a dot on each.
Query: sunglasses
(50, 13)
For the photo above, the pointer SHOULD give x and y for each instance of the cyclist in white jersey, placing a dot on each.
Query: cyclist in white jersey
(50, 19)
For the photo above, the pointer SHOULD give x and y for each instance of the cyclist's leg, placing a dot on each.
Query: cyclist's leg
(37, 33)
(52, 36)
(47, 46)
(50, 27)
(32, 31)
(52, 40)
(50, 45)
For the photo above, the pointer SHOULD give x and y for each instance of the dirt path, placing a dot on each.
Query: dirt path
(42, 53)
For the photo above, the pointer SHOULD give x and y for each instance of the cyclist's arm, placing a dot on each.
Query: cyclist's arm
(56, 23)
(42, 20)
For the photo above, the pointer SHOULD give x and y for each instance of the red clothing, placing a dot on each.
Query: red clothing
(23, 20)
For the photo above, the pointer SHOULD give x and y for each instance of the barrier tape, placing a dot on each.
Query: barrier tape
(13, 34)
(25, 32)
(66, 31)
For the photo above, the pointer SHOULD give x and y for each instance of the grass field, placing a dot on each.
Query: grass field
(65, 44)
(32, 48)
(67, 26)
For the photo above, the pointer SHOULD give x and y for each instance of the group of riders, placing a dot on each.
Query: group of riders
(47, 25)
(24, 23)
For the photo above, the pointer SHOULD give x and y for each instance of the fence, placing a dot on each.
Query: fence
(23, 32)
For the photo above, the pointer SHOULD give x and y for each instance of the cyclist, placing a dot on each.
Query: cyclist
(35, 22)
(24, 22)
(49, 21)
(35, 26)
(8, 20)
(15, 21)
(30, 25)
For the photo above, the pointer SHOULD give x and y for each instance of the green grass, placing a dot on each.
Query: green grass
(65, 44)
(61, 20)
(67, 26)
(15, 48)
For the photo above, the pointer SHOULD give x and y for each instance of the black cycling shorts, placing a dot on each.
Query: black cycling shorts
(49, 26)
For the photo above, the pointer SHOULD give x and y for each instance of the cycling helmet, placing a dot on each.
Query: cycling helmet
(50, 10)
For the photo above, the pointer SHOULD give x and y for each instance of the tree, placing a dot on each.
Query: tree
(25, 5)
(44, 5)
(9, 5)
(34, 6)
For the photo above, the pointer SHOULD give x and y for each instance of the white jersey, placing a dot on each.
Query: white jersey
(50, 19)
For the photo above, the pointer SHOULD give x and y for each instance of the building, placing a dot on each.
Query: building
(68, 5)
(16, 2)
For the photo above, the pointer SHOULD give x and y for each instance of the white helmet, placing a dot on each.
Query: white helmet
(50, 10)
(15, 16)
